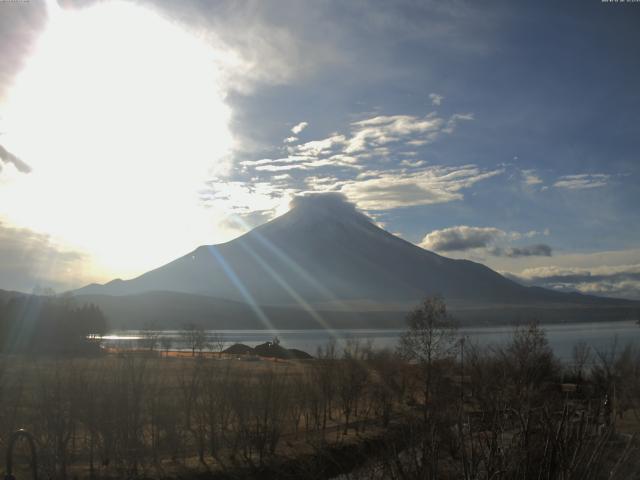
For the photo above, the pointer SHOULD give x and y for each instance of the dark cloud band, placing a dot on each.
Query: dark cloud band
(538, 250)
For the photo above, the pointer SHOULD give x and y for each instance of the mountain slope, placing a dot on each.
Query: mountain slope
(323, 251)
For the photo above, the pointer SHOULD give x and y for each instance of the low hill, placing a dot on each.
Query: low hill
(269, 350)
(172, 310)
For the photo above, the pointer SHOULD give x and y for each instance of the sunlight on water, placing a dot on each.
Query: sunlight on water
(562, 338)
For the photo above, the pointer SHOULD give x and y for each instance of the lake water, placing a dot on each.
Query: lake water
(562, 337)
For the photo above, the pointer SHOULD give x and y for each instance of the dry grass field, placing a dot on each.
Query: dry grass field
(151, 414)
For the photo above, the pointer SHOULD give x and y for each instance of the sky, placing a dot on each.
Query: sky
(503, 132)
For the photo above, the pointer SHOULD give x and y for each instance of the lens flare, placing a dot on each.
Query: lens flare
(122, 116)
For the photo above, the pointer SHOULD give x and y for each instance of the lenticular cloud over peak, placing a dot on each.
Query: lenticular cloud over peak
(334, 202)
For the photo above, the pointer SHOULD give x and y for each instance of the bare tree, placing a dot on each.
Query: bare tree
(431, 336)
(530, 361)
(352, 379)
(581, 355)
(217, 342)
(149, 339)
(388, 388)
(166, 343)
(194, 337)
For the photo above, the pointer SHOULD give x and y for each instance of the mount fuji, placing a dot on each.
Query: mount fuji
(326, 256)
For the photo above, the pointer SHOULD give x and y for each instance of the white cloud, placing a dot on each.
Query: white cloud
(30, 259)
(413, 163)
(323, 183)
(256, 46)
(299, 162)
(356, 157)
(614, 281)
(394, 189)
(269, 161)
(483, 240)
(453, 121)
(282, 168)
(386, 129)
(319, 147)
(377, 137)
(461, 238)
(296, 129)
(530, 177)
(436, 99)
(284, 176)
(247, 202)
(582, 181)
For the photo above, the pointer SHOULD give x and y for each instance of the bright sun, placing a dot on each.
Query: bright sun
(121, 117)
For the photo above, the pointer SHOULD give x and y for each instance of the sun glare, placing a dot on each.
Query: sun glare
(121, 116)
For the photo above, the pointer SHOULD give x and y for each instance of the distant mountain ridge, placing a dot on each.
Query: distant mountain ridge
(172, 310)
(325, 252)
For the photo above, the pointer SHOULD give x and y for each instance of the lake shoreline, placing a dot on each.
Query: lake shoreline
(562, 336)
